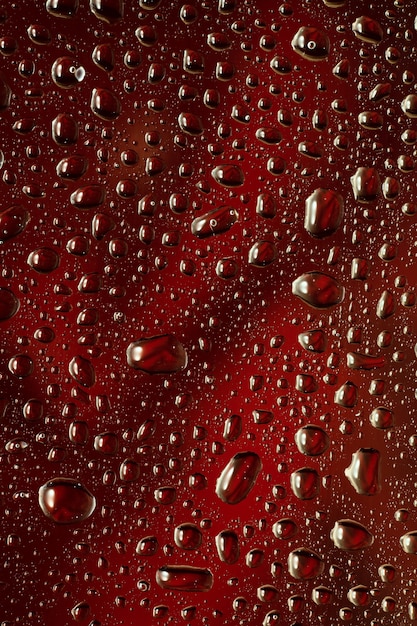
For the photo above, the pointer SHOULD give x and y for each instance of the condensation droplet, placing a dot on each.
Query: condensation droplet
(161, 354)
(238, 477)
(364, 471)
(348, 534)
(66, 501)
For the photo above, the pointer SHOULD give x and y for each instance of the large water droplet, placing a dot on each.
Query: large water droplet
(161, 354)
(311, 43)
(238, 477)
(227, 544)
(82, 371)
(184, 578)
(348, 534)
(66, 501)
(324, 212)
(312, 440)
(305, 564)
(319, 290)
(9, 304)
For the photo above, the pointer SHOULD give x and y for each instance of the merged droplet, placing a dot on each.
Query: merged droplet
(311, 43)
(238, 477)
(368, 29)
(161, 354)
(214, 222)
(364, 471)
(348, 534)
(184, 578)
(228, 175)
(66, 501)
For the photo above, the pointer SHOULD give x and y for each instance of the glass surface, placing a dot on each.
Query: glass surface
(207, 312)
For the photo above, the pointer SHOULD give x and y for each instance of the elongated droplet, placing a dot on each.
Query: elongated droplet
(318, 290)
(323, 213)
(82, 371)
(184, 578)
(227, 544)
(358, 361)
(88, 197)
(66, 501)
(161, 354)
(214, 222)
(305, 564)
(348, 534)
(364, 471)
(238, 477)
(368, 29)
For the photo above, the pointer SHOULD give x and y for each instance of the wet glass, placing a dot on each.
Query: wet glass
(207, 312)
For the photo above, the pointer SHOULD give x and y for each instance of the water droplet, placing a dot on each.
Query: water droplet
(385, 305)
(66, 74)
(409, 542)
(228, 175)
(82, 371)
(106, 443)
(409, 106)
(387, 573)
(184, 578)
(368, 29)
(312, 440)
(108, 10)
(12, 222)
(382, 418)
(9, 304)
(232, 428)
(188, 536)
(214, 222)
(324, 212)
(347, 395)
(161, 354)
(322, 595)
(147, 546)
(262, 253)
(319, 290)
(311, 43)
(101, 225)
(227, 544)
(305, 483)
(80, 612)
(129, 471)
(62, 8)
(305, 564)
(66, 501)
(348, 534)
(5, 95)
(285, 529)
(358, 361)
(190, 124)
(238, 477)
(72, 167)
(364, 471)
(88, 197)
(359, 595)
(64, 130)
(103, 57)
(366, 184)
(105, 104)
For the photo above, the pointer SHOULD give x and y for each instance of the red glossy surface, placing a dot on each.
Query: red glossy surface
(207, 294)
